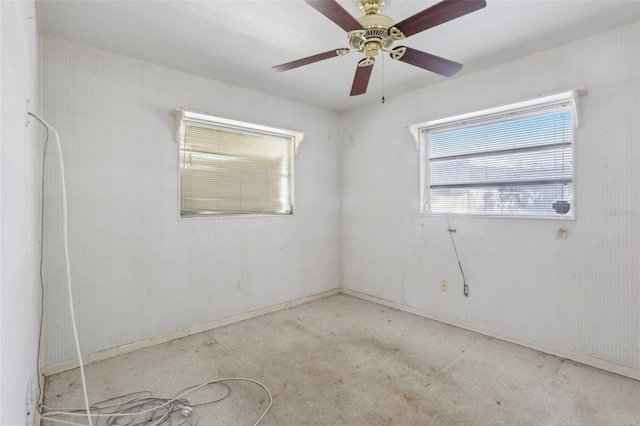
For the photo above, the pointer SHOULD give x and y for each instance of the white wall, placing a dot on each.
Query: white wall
(137, 270)
(581, 294)
(20, 152)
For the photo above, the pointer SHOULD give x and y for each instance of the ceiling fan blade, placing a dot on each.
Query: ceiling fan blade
(426, 61)
(336, 13)
(438, 14)
(361, 79)
(308, 60)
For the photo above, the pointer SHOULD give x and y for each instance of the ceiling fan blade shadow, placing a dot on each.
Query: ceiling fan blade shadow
(336, 13)
(306, 61)
(426, 61)
(437, 14)
(361, 79)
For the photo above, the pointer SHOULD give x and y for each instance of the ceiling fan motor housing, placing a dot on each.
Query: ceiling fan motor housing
(375, 37)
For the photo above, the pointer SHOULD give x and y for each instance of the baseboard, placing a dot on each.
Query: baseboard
(70, 364)
(622, 370)
(552, 350)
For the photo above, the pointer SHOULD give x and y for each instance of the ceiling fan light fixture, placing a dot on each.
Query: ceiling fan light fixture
(371, 48)
(356, 39)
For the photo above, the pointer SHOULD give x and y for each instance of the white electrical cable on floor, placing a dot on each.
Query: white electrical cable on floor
(51, 415)
(67, 264)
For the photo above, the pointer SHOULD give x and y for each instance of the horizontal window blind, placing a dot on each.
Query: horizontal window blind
(512, 164)
(234, 171)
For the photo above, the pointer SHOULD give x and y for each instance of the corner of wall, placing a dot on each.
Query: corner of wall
(19, 213)
(341, 199)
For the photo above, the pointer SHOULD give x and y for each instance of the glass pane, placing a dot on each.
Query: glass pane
(224, 172)
(555, 127)
(517, 166)
(506, 200)
(553, 163)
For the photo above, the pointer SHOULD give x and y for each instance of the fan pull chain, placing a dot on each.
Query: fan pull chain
(382, 78)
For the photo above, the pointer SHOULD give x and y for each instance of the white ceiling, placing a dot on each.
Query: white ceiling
(238, 41)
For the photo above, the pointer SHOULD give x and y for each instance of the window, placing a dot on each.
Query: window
(515, 160)
(229, 167)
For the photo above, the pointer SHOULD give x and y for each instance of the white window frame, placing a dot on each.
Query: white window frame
(420, 131)
(185, 117)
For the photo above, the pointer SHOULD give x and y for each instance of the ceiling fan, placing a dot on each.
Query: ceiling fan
(374, 33)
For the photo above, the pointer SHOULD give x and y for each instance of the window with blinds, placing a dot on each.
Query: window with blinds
(517, 162)
(234, 168)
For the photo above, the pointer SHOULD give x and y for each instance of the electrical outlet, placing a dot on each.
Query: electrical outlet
(562, 233)
(444, 285)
